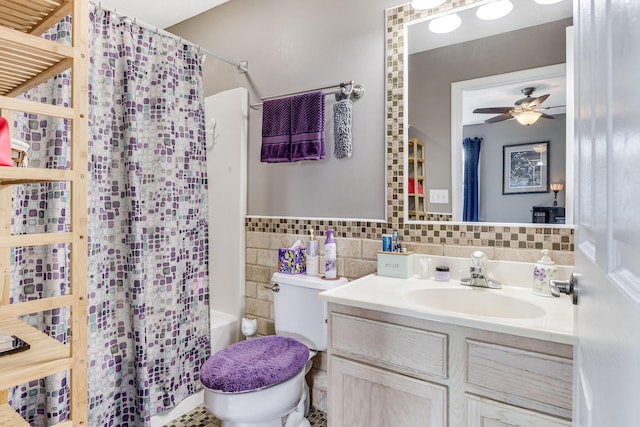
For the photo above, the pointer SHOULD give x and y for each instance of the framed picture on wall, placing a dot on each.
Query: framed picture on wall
(525, 168)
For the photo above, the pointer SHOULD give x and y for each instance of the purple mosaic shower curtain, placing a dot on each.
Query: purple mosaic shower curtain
(149, 306)
(148, 279)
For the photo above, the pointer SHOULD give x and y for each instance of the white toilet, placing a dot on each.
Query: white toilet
(261, 382)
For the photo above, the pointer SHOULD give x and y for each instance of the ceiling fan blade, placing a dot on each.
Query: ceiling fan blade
(526, 100)
(545, 116)
(500, 118)
(492, 110)
(550, 107)
(539, 100)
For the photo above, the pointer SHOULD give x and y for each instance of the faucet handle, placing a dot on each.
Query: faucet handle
(478, 258)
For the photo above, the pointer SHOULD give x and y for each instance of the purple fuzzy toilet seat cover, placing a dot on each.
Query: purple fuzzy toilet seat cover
(254, 364)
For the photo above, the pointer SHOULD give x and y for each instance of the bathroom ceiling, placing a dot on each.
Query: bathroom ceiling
(160, 13)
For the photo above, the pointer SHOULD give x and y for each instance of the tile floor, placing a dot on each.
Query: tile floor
(200, 417)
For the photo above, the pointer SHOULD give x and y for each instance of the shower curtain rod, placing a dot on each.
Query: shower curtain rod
(357, 91)
(242, 66)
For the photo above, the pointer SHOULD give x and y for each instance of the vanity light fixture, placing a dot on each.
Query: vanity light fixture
(445, 24)
(494, 10)
(426, 4)
(528, 117)
(547, 1)
(555, 187)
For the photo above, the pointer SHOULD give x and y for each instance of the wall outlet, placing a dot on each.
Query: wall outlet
(438, 196)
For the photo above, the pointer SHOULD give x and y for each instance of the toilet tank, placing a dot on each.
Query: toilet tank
(299, 312)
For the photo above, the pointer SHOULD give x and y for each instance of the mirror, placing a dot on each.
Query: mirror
(487, 64)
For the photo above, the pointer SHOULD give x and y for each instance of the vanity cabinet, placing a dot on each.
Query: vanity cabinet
(392, 370)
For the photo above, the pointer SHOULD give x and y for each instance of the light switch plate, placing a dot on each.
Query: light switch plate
(438, 196)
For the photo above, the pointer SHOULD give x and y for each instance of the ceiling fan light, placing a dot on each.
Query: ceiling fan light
(445, 24)
(494, 10)
(527, 118)
(426, 4)
(547, 1)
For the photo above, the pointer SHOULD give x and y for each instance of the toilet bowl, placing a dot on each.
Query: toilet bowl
(256, 382)
(261, 382)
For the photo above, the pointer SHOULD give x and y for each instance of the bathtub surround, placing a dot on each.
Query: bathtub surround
(147, 269)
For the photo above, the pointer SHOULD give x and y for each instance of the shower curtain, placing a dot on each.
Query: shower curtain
(470, 205)
(148, 231)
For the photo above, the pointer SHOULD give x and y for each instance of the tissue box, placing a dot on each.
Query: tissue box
(395, 264)
(291, 261)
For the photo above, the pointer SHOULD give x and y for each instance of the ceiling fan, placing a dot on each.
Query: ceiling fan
(526, 111)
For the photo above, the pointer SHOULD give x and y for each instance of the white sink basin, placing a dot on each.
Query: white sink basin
(475, 302)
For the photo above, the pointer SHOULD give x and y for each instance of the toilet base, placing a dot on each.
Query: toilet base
(267, 407)
(274, 423)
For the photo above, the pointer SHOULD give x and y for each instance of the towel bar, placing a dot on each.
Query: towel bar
(355, 91)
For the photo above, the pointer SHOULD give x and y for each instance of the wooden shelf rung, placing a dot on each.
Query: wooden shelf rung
(12, 175)
(46, 356)
(9, 417)
(35, 107)
(36, 239)
(11, 37)
(10, 311)
(52, 71)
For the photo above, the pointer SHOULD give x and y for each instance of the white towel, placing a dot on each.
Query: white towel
(342, 120)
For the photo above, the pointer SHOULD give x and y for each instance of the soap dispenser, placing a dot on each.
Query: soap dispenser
(543, 271)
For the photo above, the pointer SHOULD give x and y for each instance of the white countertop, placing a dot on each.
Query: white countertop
(389, 295)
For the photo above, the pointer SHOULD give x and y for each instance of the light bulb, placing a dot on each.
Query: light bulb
(445, 24)
(528, 118)
(494, 10)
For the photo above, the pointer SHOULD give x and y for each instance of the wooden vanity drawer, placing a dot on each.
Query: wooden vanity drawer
(520, 374)
(415, 352)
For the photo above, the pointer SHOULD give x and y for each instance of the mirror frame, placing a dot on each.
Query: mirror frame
(397, 127)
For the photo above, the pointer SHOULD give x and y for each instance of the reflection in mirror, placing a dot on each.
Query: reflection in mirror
(480, 65)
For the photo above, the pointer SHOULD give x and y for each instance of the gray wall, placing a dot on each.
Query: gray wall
(432, 72)
(295, 45)
(496, 207)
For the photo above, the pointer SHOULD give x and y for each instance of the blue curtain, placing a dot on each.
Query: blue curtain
(471, 148)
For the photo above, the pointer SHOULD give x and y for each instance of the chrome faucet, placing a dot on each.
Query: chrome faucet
(478, 273)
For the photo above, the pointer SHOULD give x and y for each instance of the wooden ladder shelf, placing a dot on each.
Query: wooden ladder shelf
(27, 60)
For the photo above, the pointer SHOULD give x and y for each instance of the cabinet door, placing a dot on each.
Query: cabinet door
(488, 413)
(361, 395)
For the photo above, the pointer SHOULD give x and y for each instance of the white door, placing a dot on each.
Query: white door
(607, 252)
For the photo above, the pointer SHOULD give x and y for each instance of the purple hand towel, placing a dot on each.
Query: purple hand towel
(276, 131)
(307, 126)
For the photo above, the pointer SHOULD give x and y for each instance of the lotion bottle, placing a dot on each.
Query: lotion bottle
(312, 255)
(330, 267)
(543, 271)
